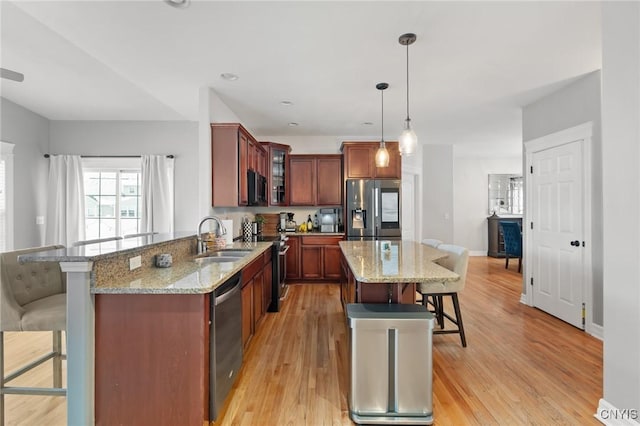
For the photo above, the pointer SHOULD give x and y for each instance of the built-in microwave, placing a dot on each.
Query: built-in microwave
(257, 186)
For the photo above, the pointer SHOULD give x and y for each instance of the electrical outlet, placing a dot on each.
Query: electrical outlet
(135, 262)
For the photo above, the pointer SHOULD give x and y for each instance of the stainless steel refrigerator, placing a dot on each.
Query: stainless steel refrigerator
(373, 209)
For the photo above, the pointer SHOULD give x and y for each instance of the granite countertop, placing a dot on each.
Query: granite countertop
(100, 251)
(407, 261)
(185, 276)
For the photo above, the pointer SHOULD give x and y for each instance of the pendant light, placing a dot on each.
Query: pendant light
(382, 155)
(408, 140)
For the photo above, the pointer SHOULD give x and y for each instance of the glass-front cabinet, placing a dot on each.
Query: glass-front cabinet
(278, 154)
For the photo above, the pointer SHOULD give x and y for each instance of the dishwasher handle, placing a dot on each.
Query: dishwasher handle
(229, 290)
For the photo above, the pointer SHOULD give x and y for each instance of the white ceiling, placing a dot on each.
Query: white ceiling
(472, 68)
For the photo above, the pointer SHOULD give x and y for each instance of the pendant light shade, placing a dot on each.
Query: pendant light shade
(408, 140)
(382, 155)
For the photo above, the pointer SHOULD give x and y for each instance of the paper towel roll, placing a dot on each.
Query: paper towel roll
(228, 225)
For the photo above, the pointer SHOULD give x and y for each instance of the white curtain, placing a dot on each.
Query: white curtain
(65, 201)
(157, 194)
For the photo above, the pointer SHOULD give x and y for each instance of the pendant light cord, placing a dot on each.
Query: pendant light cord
(408, 82)
(382, 117)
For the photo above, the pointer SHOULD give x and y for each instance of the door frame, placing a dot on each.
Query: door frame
(582, 132)
(414, 173)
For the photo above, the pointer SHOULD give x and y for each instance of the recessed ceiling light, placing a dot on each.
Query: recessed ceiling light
(367, 123)
(286, 103)
(293, 124)
(178, 3)
(229, 76)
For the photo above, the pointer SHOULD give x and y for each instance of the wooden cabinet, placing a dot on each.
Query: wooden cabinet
(312, 261)
(359, 161)
(267, 283)
(315, 180)
(147, 347)
(293, 258)
(332, 254)
(329, 180)
(320, 257)
(233, 152)
(496, 243)
(277, 172)
(347, 283)
(253, 303)
(247, 312)
(230, 160)
(257, 157)
(302, 180)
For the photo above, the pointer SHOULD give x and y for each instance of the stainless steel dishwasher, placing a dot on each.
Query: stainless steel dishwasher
(225, 351)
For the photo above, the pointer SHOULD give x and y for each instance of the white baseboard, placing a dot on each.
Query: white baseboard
(609, 415)
(523, 299)
(596, 331)
(477, 253)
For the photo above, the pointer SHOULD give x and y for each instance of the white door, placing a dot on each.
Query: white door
(409, 231)
(558, 231)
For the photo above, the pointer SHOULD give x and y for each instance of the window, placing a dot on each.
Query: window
(6, 196)
(112, 196)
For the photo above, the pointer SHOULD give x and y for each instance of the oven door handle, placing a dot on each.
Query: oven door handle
(283, 251)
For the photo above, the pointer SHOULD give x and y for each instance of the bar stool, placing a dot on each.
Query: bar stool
(457, 261)
(33, 299)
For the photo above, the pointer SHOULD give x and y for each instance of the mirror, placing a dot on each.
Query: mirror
(506, 194)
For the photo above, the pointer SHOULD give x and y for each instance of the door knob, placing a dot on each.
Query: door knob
(575, 243)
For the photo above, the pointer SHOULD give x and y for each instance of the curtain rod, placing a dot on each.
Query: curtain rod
(111, 156)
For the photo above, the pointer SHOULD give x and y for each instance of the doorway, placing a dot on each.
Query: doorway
(558, 224)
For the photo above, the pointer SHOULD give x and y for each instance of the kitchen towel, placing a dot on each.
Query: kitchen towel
(228, 225)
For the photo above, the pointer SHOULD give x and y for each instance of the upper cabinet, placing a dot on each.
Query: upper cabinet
(315, 180)
(277, 156)
(359, 161)
(233, 152)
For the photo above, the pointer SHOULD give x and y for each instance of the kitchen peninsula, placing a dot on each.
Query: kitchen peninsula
(373, 275)
(138, 339)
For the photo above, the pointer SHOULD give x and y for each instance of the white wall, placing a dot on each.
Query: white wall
(575, 104)
(30, 134)
(470, 205)
(437, 192)
(179, 138)
(621, 184)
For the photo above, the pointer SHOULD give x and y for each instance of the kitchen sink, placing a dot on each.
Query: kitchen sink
(223, 255)
(216, 259)
(227, 253)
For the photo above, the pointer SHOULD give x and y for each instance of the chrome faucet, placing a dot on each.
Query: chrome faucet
(220, 231)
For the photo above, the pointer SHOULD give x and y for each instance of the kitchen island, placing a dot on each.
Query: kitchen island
(373, 275)
(138, 341)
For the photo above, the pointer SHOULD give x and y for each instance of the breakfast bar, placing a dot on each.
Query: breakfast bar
(128, 319)
(371, 274)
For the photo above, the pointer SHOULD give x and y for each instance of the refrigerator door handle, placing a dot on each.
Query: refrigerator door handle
(375, 203)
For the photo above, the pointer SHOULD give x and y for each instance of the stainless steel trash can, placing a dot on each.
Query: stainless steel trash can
(390, 364)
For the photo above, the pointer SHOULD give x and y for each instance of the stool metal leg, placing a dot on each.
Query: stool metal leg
(57, 359)
(456, 307)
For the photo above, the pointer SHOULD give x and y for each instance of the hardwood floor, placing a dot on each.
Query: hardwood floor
(521, 365)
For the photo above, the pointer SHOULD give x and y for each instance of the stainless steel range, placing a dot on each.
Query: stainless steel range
(279, 271)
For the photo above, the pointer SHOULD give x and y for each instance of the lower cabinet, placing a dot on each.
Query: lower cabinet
(320, 257)
(347, 283)
(152, 359)
(293, 258)
(247, 312)
(253, 295)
